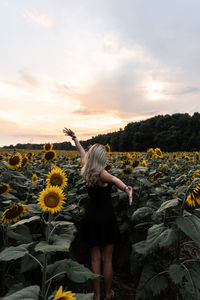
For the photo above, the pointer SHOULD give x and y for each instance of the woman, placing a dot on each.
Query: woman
(100, 228)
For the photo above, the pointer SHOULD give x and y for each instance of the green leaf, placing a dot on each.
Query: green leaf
(151, 283)
(84, 296)
(176, 273)
(141, 213)
(59, 245)
(21, 233)
(167, 238)
(190, 225)
(28, 293)
(75, 271)
(34, 209)
(28, 263)
(14, 252)
(167, 204)
(25, 221)
(154, 237)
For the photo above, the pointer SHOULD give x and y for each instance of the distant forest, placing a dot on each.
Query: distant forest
(177, 132)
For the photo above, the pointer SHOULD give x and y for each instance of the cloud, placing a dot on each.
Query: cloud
(38, 17)
(28, 78)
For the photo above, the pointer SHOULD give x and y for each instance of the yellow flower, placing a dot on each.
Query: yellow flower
(107, 148)
(34, 179)
(1, 157)
(109, 167)
(14, 161)
(127, 171)
(125, 162)
(133, 155)
(49, 155)
(48, 147)
(56, 177)
(60, 295)
(4, 188)
(14, 213)
(30, 155)
(158, 152)
(24, 161)
(135, 163)
(194, 196)
(155, 176)
(144, 164)
(51, 199)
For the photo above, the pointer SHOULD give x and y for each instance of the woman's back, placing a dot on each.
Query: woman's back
(99, 225)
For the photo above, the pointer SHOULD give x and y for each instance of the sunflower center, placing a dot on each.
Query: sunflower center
(49, 155)
(14, 160)
(3, 188)
(56, 179)
(51, 200)
(61, 298)
(14, 211)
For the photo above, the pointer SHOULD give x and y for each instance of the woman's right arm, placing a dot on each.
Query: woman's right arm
(108, 178)
(77, 144)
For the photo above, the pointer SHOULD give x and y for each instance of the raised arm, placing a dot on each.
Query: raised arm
(106, 177)
(80, 149)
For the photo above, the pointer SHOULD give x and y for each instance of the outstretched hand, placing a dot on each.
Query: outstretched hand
(129, 193)
(68, 132)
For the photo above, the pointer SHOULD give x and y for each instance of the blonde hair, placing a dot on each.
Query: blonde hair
(95, 163)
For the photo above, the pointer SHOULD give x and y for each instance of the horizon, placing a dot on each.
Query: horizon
(94, 66)
(1, 147)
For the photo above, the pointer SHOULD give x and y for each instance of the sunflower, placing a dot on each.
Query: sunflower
(135, 163)
(48, 147)
(107, 148)
(56, 177)
(14, 161)
(34, 179)
(49, 155)
(143, 163)
(127, 171)
(1, 157)
(158, 152)
(109, 167)
(51, 199)
(155, 176)
(125, 162)
(133, 155)
(14, 213)
(30, 155)
(4, 188)
(60, 295)
(24, 161)
(194, 196)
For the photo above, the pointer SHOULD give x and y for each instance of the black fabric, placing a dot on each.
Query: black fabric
(99, 226)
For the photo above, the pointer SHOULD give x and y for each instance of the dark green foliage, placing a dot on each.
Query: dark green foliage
(177, 132)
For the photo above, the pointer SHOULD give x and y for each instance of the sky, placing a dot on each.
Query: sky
(94, 65)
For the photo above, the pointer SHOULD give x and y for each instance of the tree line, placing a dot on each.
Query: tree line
(176, 132)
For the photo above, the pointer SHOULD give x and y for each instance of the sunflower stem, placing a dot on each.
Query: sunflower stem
(44, 269)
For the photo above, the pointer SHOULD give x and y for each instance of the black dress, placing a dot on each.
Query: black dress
(99, 226)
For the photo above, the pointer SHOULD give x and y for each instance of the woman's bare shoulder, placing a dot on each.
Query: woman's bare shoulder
(105, 176)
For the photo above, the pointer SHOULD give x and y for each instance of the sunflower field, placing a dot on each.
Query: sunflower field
(42, 202)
